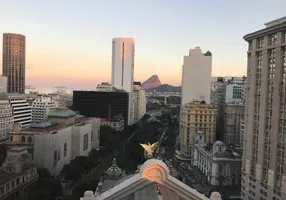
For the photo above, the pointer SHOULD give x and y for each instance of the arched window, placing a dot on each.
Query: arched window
(23, 139)
(30, 139)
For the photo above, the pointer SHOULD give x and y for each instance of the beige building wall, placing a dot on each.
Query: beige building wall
(264, 159)
(196, 117)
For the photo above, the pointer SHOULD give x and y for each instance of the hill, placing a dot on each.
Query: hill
(165, 88)
(151, 82)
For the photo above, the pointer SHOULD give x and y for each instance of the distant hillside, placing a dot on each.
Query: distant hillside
(151, 82)
(165, 88)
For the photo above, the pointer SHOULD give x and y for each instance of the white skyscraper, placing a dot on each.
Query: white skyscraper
(196, 77)
(123, 50)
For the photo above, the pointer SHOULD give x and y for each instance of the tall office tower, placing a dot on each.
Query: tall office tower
(14, 53)
(264, 156)
(123, 50)
(41, 108)
(196, 77)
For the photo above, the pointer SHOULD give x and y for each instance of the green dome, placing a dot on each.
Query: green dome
(61, 113)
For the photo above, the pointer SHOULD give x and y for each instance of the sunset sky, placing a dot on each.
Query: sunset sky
(68, 42)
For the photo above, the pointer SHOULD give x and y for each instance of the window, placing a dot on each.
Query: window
(30, 139)
(55, 158)
(23, 139)
(85, 142)
(65, 149)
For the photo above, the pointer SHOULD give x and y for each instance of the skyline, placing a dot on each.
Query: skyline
(71, 44)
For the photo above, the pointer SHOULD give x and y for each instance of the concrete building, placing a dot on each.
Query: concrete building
(20, 107)
(234, 114)
(235, 90)
(17, 173)
(218, 95)
(58, 141)
(196, 76)
(116, 122)
(6, 120)
(221, 164)
(3, 84)
(102, 104)
(196, 116)
(14, 61)
(123, 50)
(139, 103)
(105, 87)
(40, 109)
(264, 157)
(152, 181)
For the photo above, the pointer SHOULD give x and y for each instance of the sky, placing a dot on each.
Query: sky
(68, 42)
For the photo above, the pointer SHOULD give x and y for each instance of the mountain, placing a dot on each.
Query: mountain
(151, 82)
(165, 88)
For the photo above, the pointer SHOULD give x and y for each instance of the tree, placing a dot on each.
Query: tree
(46, 188)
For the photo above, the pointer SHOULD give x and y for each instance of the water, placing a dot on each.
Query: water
(53, 90)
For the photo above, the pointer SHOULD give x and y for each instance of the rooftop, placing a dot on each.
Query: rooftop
(47, 127)
(62, 113)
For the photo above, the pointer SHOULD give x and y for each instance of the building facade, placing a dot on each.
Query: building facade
(20, 107)
(123, 51)
(58, 141)
(196, 116)
(13, 62)
(196, 76)
(234, 114)
(101, 104)
(152, 181)
(235, 90)
(17, 173)
(139, 103)
(218, 95)
(105, 87)
(3, 84)
(116, 122)
(264, 157)
(6, 120)
(40, 109)
(219, 163)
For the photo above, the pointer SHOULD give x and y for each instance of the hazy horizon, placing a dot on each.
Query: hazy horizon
(69, 44)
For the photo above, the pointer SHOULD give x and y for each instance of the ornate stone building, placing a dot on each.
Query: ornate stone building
(152, 182)
(221, 164)
(16, 174)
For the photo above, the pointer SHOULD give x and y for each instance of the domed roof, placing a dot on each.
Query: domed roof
(114, 172)
(61, 113)
(219, 143)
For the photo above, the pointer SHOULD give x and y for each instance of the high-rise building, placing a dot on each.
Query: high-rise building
(13, 61)
(264, 156)
(196, 77)
(123, 50)
(139, 102)
(218, 95)
(235, 90)
(101, 104)
(41, 108)
(195, 117)
(6, 120)
(21, 108)
(234, 114)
